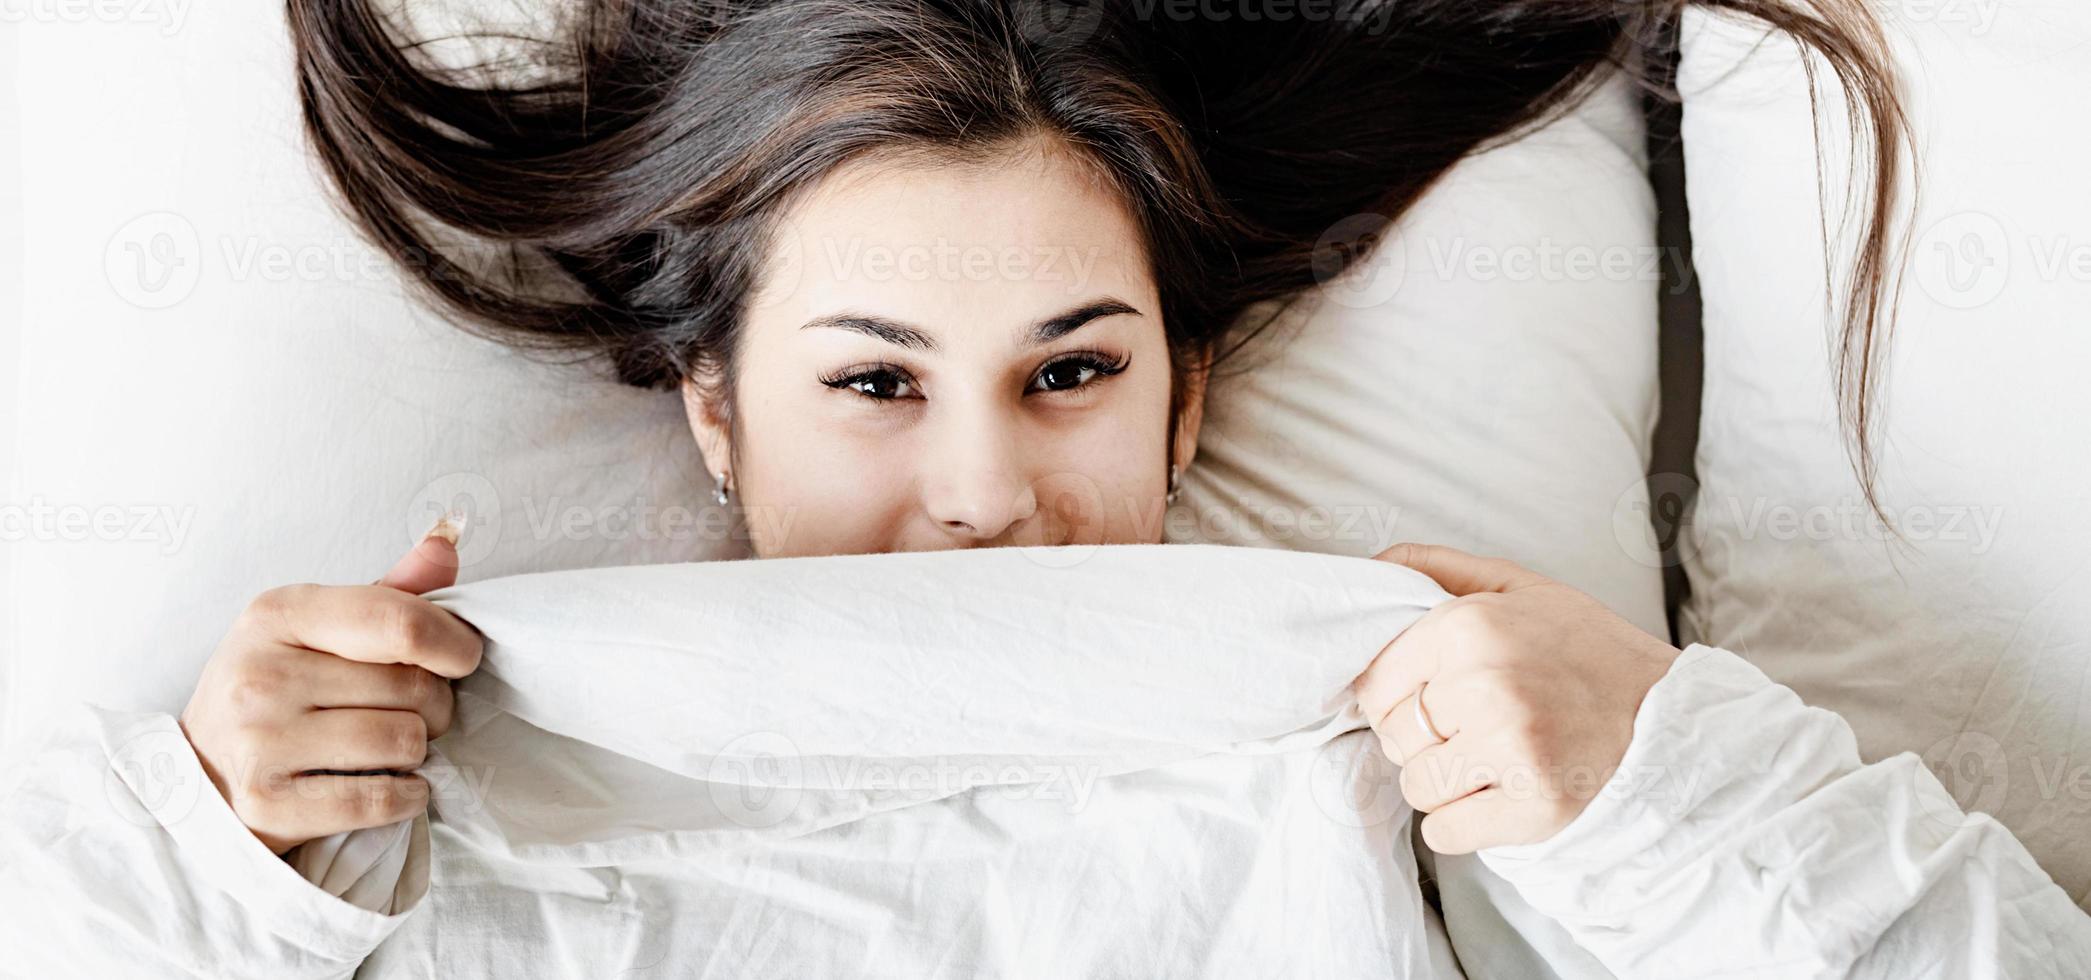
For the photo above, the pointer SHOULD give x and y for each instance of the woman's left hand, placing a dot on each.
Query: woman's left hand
(1533, 687)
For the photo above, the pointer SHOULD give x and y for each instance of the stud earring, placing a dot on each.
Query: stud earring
(721, 495)
(1175, 478)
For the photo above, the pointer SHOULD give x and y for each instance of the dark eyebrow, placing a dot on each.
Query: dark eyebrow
(890, 331)
(906, 335)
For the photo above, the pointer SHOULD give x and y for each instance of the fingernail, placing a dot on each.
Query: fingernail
(449, 527)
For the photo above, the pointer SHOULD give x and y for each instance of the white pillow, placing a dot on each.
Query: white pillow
(1486, 379)
(1970, 642)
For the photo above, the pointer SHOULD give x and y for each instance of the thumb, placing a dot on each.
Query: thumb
(432, 564)
(1460, 573)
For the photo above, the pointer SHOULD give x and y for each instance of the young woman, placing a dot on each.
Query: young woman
(953, 273)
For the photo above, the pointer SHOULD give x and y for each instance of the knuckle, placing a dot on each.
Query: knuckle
(381, 736)
(415, 738)
(1386, 746)
(257, 811)
(268, 607)
(475, 645)
(442, 709)
(420, 686)
(1523, 697)
(263, 791)
(382, 801)
(1529, 740)
(412, 794)
(1470, 618)
(402, 624)
(1372, 698)
(371, 802)
(1531, 729)
(409, 738)
(268, 602)
(252, 693)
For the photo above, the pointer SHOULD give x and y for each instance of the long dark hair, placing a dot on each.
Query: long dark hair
(624, 168)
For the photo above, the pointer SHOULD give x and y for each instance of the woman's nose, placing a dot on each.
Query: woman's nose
(977, 487)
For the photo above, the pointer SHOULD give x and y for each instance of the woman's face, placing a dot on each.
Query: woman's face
(952, 356)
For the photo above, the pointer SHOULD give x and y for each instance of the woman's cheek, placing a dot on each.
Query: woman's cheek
(1101, 475)
(815, 489)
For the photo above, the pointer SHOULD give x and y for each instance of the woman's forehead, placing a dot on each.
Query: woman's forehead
(953, 245)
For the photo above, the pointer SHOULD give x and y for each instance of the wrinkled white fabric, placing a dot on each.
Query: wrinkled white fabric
(1741, 837)
(1126, 761)
(1133, 761)
(1083, 762)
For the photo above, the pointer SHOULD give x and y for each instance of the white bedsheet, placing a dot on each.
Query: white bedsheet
(1137, 761)
(938, 767)
(1077, 762)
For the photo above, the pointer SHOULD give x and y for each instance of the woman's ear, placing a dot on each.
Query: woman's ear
(1192, 414)
(708, 423)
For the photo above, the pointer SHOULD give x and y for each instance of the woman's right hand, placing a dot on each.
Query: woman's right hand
(321, 700)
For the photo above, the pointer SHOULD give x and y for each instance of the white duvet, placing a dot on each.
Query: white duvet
(933, 767)
(1132, 761)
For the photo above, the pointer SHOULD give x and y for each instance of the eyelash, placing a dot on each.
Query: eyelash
(1103, 364)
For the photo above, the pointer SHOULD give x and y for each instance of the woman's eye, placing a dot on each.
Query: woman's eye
(1063, 375)
(1070, 373)
(882, 384)
(886, 384)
